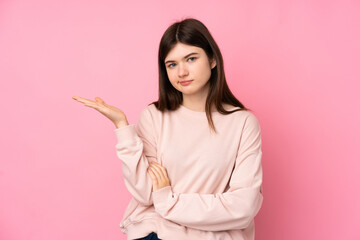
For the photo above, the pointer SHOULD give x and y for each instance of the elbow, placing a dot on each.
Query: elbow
(245, 221)
(251, 211)
(142, 195)
(143, 200)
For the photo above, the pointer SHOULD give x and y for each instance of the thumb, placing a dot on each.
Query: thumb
(99, 100)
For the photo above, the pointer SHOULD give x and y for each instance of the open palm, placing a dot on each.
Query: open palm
(117, 116)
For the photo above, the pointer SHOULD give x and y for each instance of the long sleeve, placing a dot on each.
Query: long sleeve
(136, 147)
(233, 209)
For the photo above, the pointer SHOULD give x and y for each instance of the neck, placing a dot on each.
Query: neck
(197, 101)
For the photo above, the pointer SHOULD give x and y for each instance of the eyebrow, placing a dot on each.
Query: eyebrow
(184, 57)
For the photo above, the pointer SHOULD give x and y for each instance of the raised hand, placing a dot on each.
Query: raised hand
(117, 116)
(158, 176)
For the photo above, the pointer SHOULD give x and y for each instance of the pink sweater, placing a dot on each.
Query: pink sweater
(216, 179)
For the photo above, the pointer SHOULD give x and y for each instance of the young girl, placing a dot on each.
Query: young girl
(193, 161)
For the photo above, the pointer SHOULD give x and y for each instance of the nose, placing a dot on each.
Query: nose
(182, 70)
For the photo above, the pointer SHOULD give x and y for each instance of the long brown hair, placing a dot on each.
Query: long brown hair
(193, 32)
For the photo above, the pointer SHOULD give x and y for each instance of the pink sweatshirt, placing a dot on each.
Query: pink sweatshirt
(215, 179)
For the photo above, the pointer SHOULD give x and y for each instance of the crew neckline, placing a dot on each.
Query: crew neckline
(197, 113)
(193, 112)
(190, 110)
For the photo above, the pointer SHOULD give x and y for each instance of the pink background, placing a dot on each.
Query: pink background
(295, 63)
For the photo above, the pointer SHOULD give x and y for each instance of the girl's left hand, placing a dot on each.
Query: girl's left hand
(158, 176)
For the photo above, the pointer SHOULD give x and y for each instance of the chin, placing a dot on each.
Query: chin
(188, 92)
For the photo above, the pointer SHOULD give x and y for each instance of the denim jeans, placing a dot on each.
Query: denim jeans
(151, 236)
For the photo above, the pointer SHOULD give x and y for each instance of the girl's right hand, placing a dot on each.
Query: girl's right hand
(114, 114)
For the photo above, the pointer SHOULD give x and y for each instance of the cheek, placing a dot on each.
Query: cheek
(205, 71)
(172, 76)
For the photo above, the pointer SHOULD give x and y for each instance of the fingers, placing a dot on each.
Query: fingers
(158, 176)
(100, 100)
(83, 100)
(162, 168)
(158, 170)
(153, 176)
(90, 103)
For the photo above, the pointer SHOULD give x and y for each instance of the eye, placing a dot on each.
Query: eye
(192, 58)
(170, 65)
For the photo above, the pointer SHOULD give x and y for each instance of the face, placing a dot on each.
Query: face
(186, 62)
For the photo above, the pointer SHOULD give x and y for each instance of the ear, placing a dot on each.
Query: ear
(213, 63)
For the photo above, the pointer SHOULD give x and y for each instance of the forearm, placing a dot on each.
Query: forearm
(209, 212)
(130, 150)
(121, 124)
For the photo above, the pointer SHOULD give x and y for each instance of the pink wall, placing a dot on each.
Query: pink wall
(295, 63)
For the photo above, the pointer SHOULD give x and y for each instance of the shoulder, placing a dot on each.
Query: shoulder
(244, 114)
(251, 123)
(150, 110)
(150, 114)
(245, 117)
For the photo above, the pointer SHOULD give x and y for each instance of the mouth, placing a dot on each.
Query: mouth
(185, 82)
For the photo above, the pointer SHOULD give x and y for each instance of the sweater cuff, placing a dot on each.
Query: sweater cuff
(162, 197)
(125, 133)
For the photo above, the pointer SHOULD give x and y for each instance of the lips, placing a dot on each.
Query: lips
(185, 82)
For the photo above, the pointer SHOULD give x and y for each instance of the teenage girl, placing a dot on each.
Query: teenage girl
(192, 163)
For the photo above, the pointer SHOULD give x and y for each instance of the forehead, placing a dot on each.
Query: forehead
(180, 50)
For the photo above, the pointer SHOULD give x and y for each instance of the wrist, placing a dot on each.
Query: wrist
(121, 124)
